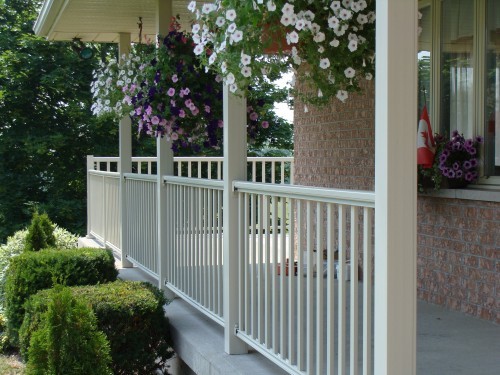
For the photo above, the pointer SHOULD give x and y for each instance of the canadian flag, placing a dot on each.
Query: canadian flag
(426, 146)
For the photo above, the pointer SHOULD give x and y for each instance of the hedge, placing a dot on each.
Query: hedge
(67, 340)
(33, 271)
(130, 314)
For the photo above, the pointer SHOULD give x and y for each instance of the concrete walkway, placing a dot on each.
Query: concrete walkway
(448, 342)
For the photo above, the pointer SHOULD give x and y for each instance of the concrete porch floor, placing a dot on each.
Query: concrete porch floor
(448, 342)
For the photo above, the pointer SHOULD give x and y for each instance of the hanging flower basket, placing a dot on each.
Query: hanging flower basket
(330, 45)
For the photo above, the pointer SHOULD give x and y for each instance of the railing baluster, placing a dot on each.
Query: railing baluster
(268, 273)
(367, 291)
(341, 276)
(354, 292)
(276, 264)
(260, 268)
(330, 327)
(309, 290)
(283, 287)
(301, 300)
(292, 286)
(273, 172)
(253, 267)
(247, 265)
(319, 289)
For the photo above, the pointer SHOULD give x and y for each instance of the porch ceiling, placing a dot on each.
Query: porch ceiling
(101, 21)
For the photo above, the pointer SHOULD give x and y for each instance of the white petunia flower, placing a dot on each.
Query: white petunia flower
(220, 21)
(297, 60)
(223, 67)
(292, 38)
(342, 95)
(352, 36)
(320, 93)
(231, 14)
(334, 43)
(299, 25)
(233, 87)
(368, 76)
(345, 14)
(192, 6)
(246, 71)
(271, 6)
(237, 36)
(335, 5)
(321, 49)
(324, 63)
(362, 4)
(346, 3)
(315, 28)
(333, 22)
(212, 58)
(286, 19)
(353, 45)
(198, 50)
(196, 39)
(349, 72)
(245, 59)
(319, 37)
(195, 28)
(355, 7)
(308, 15)
(362, 19)
(208, 8)
(341, 31)
(230, 79)
(287, 9)
(231, 28)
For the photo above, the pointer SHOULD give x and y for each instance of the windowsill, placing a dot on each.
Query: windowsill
(475, 192)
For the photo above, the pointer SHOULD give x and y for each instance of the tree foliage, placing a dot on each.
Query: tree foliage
(46, 127)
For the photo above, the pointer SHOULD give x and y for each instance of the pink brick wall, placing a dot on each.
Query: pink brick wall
(458, 240)
(459, 255)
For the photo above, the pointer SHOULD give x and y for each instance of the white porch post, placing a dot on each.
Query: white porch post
(235, 168)
(164, 165)
(395, 187)
(90, 165)
(125, 163)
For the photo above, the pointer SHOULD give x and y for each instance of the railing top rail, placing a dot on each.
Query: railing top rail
(105, 173)
(270, 158)
(192, 158)
(194, 182)
(351, 197)
(106, 158)
(140, 177)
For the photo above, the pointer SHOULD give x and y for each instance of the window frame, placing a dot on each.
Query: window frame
(479, 73)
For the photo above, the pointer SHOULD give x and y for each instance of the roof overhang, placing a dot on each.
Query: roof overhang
(102, 21)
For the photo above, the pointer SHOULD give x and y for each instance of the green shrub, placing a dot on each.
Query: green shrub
(131, 316)
(40, 233)
(33, 271)
(15, 245)
(67, 340)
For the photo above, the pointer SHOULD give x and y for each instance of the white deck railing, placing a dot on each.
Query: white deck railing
(300, 250)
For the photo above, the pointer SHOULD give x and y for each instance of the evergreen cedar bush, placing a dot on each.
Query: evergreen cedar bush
(66, 340)
(131, 316)
(40, 233)
(33, 271)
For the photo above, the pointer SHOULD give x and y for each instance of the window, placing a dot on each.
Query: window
(459, 72)
(492, 93)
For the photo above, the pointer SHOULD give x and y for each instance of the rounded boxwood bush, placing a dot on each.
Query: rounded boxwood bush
(66, 340)
(131, 316)
(33, 271)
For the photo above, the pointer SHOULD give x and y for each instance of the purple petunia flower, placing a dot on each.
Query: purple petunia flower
(456, 166)
(459, 174)
(155, 120)
(171, 92)
(265, 124)
(469, 176)
(254, 116)
(467, 164)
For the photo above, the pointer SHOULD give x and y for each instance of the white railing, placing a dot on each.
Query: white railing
(260, 169)
(141, 226)
(195, 243)
(300, 250)
(292, 307)
(104, 207)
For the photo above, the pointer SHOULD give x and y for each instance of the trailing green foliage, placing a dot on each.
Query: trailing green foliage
(129, 313)
(33, 271)
(40, 233)
(66, 340)
(15, 245)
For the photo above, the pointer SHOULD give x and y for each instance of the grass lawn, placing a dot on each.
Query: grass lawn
(10, 364)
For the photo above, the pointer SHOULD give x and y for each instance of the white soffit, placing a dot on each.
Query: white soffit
(102, 20)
